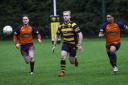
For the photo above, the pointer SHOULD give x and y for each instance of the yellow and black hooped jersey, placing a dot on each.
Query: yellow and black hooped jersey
(69, 32)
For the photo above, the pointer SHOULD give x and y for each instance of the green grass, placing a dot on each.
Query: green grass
(94, 66)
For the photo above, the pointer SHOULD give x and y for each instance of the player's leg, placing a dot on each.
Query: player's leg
(31, 55)
(74, 60)
(25, 55)
(72, 56)
(112, 55)
(64, 54)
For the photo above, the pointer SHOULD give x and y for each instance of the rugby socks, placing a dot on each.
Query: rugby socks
(32, 65)
(62, 65)
(76, 62)
(112, 58)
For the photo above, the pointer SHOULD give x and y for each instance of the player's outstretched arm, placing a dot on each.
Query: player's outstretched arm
(54, 43)
(79, 45)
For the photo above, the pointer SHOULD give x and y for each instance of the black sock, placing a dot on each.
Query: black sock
(32, 66)
(62, 65)
(112, 58)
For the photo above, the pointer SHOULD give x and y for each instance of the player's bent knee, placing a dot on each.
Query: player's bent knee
(63, 55)
(26, 61)
(112, 49)
(72, 60)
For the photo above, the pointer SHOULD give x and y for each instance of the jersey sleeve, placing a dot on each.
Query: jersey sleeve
(17, 31)
(34, 30)
(76, 28)
(102, 28)
(121, 25)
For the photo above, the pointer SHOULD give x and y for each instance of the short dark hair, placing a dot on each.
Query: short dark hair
(112, 14)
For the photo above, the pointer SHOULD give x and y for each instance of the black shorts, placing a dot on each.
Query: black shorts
(116, 45)
(70, 49)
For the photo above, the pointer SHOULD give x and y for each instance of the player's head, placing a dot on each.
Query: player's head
(110, 18)
(66, 15)
(25, 20)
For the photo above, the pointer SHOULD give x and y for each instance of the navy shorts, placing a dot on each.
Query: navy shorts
(116, 45)
(25, 49)
(70, 49)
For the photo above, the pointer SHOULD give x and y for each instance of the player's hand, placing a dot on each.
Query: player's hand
(53, 49)
(80, 49)
(101, 35)
(18, 45)
(39, 40)
(126, 27)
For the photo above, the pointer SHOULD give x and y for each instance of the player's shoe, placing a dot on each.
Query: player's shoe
(61, 74)
(115, 69)
(76, 62)
(31, 73)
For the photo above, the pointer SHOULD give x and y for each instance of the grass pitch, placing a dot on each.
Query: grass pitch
(94, 67)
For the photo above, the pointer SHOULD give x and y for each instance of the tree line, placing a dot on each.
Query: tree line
(87, 13)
